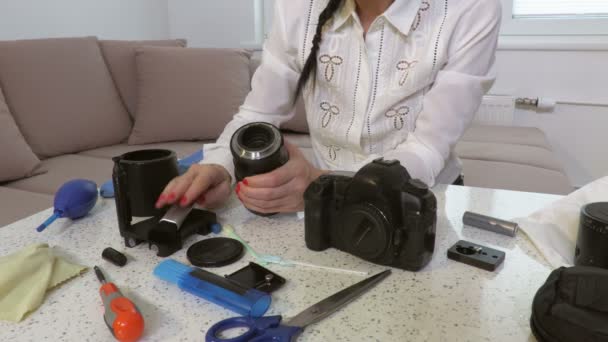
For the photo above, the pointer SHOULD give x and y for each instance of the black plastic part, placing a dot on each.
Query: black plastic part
(139, 177)
(215, 252)
(476, 255)
(257, 277)
(114, 257)
(220, 281)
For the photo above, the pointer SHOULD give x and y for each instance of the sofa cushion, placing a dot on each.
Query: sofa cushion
(120, 58)
(182, 148)
(18, 204)
(530, 136)
(61, 95)
(65, 168)
(508, 153)
(188, 94)
(18, 160)
(510, 176)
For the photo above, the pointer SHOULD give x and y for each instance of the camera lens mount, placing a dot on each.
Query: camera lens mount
(256, 141)
(366, 231)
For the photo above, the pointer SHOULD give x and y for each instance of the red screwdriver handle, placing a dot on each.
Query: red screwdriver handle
(121, 315)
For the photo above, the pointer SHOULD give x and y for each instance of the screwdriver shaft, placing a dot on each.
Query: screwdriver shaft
(100, 275)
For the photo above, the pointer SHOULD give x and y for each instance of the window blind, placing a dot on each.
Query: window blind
(560, 8)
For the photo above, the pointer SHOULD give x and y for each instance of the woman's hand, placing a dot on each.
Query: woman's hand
(281, 190)
(207, 185)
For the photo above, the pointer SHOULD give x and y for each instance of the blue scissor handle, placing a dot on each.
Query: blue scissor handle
(260, 329)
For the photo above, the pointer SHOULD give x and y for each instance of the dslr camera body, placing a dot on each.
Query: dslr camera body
(379, 214)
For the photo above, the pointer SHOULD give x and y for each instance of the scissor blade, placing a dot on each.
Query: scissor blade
(331, 304)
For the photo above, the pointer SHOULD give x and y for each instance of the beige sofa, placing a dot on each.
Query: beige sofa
(496, 157)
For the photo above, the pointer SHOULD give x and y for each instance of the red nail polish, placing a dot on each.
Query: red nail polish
(245, 182)
(238, 188)
(171, 196)
(184, 200)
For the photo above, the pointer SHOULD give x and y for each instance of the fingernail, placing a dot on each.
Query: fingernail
(183, 201)
(245, 182)
(171, 196)
(238, 188)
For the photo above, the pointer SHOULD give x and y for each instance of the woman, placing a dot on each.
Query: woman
(399, 79)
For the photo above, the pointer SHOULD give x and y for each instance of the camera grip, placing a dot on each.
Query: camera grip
(316, 217)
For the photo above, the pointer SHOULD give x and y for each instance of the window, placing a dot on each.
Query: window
(555, 17)
(560, 8)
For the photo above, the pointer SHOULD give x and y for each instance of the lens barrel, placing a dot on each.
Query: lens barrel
(257, 148)
(592, 240)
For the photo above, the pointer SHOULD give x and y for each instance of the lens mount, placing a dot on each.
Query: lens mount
(366, 231)
(256, 141)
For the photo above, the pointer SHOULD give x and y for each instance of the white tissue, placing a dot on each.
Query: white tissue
(553, 229)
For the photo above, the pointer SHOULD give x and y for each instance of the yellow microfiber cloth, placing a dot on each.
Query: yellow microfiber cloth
(26, 276)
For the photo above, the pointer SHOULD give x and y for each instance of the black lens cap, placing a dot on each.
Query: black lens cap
(215, 252)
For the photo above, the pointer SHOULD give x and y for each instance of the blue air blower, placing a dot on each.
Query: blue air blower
(73, 200)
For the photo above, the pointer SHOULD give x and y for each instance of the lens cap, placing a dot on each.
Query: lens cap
(215, 252)
(366, 231)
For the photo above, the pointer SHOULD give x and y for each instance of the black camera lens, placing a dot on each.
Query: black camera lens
(256, 138)
(592, 241)
(257, 148)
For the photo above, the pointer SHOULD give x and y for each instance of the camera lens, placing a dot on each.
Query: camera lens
(257, 148)
(256, 138)
(592, 240)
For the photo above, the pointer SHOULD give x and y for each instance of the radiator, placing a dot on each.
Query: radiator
(496, 110)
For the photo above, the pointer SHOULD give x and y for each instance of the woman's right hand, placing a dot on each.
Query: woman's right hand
(207, 185)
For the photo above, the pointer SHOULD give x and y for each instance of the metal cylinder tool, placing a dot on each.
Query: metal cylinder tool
(489, 223)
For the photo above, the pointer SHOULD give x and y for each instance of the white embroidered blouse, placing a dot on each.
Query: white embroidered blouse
(407, 90)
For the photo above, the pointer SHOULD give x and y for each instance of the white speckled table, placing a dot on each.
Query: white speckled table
(447, 301)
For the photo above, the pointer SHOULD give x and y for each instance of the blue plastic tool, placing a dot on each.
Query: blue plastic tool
(216, 289)
(73, 200)
(272, 329)
(107, 188)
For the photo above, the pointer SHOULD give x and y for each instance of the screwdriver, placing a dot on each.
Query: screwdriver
(122, 316)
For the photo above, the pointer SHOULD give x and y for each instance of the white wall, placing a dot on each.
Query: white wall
(578, 133)
(212, 23)
(107, 19)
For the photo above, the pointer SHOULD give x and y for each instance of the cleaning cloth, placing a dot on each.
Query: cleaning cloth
(26, 276)
(554, 229)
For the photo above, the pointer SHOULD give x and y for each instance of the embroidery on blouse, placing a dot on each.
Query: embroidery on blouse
(352, 120)
(330, 110)
(375, 92)
(306, 30)
(445, 15)
(398, 115)
(332, 151)
(331, 62)
(406, 67)
(423, 8)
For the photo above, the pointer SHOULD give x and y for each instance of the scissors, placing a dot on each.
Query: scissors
(270, 328)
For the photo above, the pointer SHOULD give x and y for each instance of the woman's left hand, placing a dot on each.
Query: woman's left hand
(281, 190)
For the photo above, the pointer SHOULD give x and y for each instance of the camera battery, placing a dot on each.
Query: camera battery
(476, 255)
